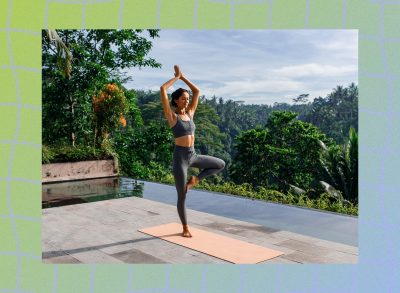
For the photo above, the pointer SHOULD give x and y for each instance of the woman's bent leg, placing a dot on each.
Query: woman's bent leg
(209, 165)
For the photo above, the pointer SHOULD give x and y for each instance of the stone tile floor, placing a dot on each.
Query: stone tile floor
(106, 232)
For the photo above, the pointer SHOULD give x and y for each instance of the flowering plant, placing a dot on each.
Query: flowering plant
(109, 107)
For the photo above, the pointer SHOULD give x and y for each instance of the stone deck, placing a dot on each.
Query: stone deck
(106, 232)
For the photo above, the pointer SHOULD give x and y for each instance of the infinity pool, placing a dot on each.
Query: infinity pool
(323, 225)
(82, 191)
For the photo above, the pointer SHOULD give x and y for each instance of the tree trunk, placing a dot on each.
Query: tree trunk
(73, 135)
(95, 137)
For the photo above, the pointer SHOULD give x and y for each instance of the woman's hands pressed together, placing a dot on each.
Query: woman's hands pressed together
(178, 72)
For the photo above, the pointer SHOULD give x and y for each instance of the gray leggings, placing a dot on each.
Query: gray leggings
(185, 157)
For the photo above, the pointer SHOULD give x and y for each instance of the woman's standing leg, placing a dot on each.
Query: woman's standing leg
(180, 166)
(180, 176)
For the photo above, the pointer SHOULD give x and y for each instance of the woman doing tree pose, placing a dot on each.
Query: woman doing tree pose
(183, 128)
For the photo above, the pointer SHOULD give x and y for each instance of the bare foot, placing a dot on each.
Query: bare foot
(192, 182)
(186, 232)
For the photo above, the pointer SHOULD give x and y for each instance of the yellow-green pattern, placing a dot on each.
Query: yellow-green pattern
(21, 22)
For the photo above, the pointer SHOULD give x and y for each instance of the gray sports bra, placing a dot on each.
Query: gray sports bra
(182, 128)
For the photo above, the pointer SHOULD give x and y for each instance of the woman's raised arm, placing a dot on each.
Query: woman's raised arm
(196, 93)
(164, 97)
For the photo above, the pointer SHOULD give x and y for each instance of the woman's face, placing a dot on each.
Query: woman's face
(183, 100)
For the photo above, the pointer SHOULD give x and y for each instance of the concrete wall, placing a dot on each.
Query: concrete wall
(78, 170)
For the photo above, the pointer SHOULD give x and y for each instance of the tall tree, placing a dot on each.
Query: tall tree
(286, 151)
(301, 99)
(99, 56)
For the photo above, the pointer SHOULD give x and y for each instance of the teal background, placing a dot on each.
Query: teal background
(20, 144)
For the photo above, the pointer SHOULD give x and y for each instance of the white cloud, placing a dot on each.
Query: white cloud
(242, 88)
(315, 70)
(338, 46)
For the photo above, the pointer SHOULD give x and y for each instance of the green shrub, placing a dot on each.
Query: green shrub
(323, 202)
(157, 172)
(47, 154)
(139, 171)
(67, 153)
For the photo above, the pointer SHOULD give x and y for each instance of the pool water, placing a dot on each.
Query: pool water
(83, 191)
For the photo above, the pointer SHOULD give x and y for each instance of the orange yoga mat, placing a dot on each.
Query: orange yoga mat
(226, 248)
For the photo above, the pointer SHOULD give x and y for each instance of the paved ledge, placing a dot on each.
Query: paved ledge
(61, 172)
(106, 232)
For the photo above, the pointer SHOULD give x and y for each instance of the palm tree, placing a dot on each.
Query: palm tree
(64, 55)
(340, 166)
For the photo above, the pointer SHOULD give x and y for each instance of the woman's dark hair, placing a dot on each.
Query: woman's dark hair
(176, 95)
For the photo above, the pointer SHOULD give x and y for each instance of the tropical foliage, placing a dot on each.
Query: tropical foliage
(340, 165)
(335, 114)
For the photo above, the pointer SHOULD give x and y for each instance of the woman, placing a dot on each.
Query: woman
(182, 125)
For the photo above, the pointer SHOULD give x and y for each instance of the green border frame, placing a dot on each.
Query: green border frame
(20, 144)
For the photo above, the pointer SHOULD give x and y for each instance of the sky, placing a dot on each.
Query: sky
(254, 66)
